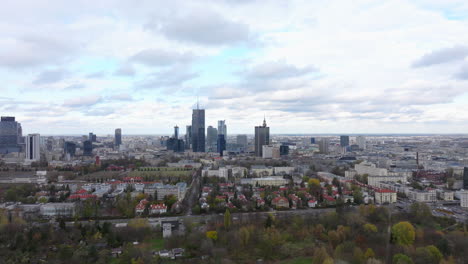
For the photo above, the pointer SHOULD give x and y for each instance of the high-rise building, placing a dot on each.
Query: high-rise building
(221, 144)
(176, 132)
(323, 145)
(222, 129)
(188, 137)
(33, 147)
(11, 135)
(465, 178)
(312, 140)
(284, 150)
(118, 137)
(69, 148)
(361, 142)
(344, 141)
(242, 142)
(262, 138)
(198, 130)
(211, 138)
(92, 137)
(87, 148)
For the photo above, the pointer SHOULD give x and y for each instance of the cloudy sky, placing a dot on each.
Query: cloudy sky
(361, 66)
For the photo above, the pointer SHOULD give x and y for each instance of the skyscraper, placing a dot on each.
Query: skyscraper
(87, 148)
(262, 138)
(222, 129)
(344, 141)
(465, 178)
(211, 138)
(11, 135)
(69, 148)
(361, 141)
(176, 132)
(33, 147)
(323, 145)
(188, 137)
(221, 144)
(198, 130)
(242, 142)
(118, 137)
(92, 137)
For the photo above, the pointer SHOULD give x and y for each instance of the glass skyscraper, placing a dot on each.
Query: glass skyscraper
(262, 138)
(198, 130)
(11, 135)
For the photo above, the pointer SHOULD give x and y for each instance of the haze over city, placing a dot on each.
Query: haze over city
(309, 66)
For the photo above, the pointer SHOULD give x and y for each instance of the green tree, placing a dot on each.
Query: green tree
(402, 259)
(403, 233)
(169, 200)
(213, 235)
(227, 219)
(369, 253)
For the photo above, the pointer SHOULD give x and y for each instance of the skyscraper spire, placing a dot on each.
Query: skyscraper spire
(197, 103)
(264, 121)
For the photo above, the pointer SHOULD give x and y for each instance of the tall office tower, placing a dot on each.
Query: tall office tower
(176, 132)
(344, 141)
(49, 144)
(211, 138)
(188, 137)
(312, 140)
(242, 141)
(87, 148)
(262, 138)
(323, 145)
(118, 137)
(222, 129)
(465, 178)
(69, 148)
(11, 135)
(284, 150)
(221, 144)
(361, 141)
(198, 130)
(33, 147)
(92, 137)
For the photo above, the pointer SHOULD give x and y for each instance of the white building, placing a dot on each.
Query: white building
(370, 169)
(385, 196)
(57, 209)
(464, 199)
(33, 152)
(284, 170)
(361, 142)
(267, 181)
(422, 196)
(375, 180)
(270, 152)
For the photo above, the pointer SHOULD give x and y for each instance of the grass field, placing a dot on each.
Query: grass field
(300, 260)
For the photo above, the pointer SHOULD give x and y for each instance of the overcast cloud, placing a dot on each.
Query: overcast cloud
(393, 66)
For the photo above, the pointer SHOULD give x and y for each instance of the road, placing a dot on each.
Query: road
(237, 217)
(191, 196)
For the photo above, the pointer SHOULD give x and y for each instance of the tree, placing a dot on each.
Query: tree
(369, 254)
(213, 235)
(227, 219)
(169, 200)
(357, 196)
(370, 228)
(402, 259)
(403, 233)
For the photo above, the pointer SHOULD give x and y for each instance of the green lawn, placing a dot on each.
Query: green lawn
(157, 243)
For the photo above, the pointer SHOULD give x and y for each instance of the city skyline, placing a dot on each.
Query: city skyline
(386, 67)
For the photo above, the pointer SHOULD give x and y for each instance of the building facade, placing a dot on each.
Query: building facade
(33, 148)
(262, 138)
(11, 135)
(118, 137)
(198, 130)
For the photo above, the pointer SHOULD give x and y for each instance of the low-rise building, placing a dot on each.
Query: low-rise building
(422, 196)
(385, 196)
(267, 181)
(57, 209)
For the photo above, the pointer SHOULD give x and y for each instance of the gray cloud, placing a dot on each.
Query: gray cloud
(50, 76)
(278, 70)
(76, 86)
(85, 101)
(121, 97)
(172, 77)
(202, 27)
(125, 70)
(34, 50)
(96, 75)
(462, 74)
(154, 57)
(454, 53)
